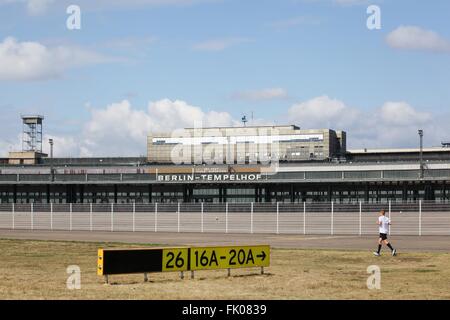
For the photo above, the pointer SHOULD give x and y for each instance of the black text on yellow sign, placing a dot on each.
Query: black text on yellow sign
(175, 259)
(206, 258)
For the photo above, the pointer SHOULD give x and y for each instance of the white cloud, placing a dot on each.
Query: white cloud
(64, 146)
(33, 7)
(322, 112)
(119, 129)
(170, 115)
(7, 145)
(394, 124)
(25, 61)
(261, 95)
(219, 44)
(416, 38)
(402, 114)
(37, 7)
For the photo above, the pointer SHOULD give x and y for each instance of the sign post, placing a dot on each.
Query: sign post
(181, 259)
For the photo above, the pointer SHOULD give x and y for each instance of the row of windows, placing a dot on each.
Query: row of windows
(261, 139)
(232, 194)
(206, 192)
(242, 191)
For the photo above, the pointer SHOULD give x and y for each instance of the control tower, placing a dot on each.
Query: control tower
(32, 133)
(31, 142)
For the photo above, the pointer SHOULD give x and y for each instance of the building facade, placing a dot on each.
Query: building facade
(298, 170)
(240, 145)
(341, 183)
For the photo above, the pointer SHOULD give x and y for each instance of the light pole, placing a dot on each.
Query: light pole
(421, 153)
(50, 141)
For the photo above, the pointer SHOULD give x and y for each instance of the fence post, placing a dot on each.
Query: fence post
(70, 216)
(278, 217)
(13, 218)
(226, 217)
(156, 216)
(420, 217)
(390, 216)
(251, 217)
(360, 218)
(51, 216)
(134, 216)
(32, 218)
(304, 217)
(178, 217)
(112, 217)
(202, 212)
(90, 216)
(332, 218)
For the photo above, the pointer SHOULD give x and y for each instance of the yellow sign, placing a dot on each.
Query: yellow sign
(100, 262)
(146, 260)
(175, 259)
(204, 258)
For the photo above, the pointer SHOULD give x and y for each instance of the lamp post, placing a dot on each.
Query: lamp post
(50, 141)
(421, 154)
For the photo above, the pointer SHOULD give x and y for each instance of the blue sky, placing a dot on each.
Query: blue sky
(309, 62)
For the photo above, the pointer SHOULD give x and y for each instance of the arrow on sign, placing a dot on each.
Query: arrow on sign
(262, 256)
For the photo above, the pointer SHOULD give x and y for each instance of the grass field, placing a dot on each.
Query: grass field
(37, 270)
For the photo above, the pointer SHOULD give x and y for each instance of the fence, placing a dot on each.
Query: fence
(421, 218)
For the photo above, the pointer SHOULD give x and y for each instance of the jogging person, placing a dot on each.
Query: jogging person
(384, 223)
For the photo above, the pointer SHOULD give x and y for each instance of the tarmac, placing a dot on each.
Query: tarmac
(360, 243)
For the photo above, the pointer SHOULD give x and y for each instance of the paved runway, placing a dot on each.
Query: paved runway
(403, 243)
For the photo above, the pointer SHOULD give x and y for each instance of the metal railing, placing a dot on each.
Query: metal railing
(420, 218)
(300, 176)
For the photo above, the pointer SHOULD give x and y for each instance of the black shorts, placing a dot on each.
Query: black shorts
(383, 236)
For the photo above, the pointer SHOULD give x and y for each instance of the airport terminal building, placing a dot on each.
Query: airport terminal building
(246, 144)
(311, 166)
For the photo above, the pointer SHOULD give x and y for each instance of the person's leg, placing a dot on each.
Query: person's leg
(379, 245)
(386, 242)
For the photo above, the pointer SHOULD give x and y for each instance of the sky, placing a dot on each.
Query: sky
(140, 66)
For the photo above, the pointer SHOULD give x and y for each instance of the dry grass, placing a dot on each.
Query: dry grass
(37, 270)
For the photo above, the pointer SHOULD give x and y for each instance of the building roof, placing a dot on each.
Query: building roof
(290, 126)
(397, 150)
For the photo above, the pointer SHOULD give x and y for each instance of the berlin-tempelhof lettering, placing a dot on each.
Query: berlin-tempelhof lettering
(208, 177)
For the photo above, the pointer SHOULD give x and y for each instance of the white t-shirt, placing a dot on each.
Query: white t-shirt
(384, 224)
